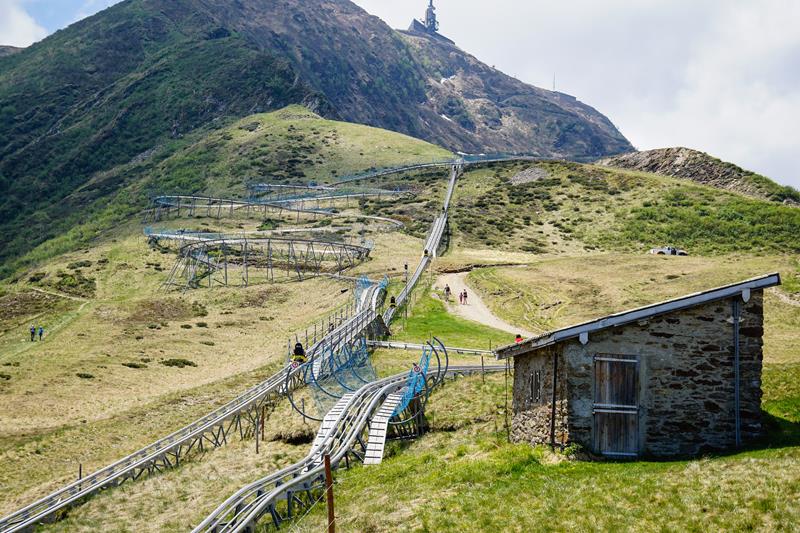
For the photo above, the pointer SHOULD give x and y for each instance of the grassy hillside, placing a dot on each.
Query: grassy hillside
(102, 385)
(143, 78)
(555, 207)
(291, 144)
(464, 475)
(705, 169)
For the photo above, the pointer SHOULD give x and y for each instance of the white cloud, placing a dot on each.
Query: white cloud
(721, 76)
(17, 27)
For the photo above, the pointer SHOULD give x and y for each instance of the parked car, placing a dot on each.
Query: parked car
(668, 250)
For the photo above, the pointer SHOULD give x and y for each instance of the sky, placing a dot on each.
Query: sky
(722, 76)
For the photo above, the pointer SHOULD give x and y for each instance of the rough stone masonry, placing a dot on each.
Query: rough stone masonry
(686, 381)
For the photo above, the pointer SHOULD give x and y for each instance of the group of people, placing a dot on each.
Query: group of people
(462, 296)
(33, 333)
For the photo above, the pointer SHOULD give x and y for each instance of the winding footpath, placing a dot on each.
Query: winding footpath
(475, 310)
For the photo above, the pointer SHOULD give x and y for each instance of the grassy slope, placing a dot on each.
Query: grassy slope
(577, 208)
(292, 144)
(468, 417)
(465, 476)
(471, 479)
(102, 307)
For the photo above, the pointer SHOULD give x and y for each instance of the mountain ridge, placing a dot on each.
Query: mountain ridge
(137, 77)
(700, 167)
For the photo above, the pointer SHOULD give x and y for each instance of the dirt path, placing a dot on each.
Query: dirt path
(785, 298)
(475, 310)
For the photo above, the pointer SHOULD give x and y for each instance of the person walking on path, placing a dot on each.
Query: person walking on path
(465, 296)
(461, 298)
(33, 333)
(447, 293)
(41, 332)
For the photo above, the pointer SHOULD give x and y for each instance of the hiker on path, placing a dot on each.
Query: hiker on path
(447, 293)
(41, 332)
(465, 296)
(461, 298)
(519, 339)
(33, 333)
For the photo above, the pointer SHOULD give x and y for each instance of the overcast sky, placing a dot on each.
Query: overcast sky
(721, 76)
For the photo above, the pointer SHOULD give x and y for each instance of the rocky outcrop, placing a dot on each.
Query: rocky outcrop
(702, 168)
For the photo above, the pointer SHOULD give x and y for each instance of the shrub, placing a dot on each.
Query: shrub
(84, 375)
(178, 363)
(186, 326)
(5, 377)
(199, 310)
(208, 343)
(79, 264)
(136, 366)
(202, 324)
(37, 277)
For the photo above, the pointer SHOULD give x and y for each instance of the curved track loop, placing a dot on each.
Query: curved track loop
(342, 441)
(239, 415)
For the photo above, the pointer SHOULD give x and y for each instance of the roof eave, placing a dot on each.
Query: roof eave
(634, 315)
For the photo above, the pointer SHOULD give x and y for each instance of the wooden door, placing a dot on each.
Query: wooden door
(616, 406)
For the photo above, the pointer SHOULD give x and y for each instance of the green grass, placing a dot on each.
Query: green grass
(292, 144)
(577, 208)
(429, 317)
(465, 476)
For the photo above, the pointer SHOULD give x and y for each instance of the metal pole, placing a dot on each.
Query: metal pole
(737, 315)
(553, 407)
(329, 490)
(263, 416)
(256, 432)
(508, 428)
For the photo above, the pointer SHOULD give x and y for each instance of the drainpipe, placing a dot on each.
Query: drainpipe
(737, 316)
(555, 397)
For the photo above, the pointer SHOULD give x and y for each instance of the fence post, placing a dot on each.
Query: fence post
(329, 491)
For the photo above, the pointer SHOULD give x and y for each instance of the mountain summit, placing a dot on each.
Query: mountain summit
(134, 79)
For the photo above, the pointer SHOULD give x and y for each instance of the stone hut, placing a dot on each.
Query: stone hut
(678, 378)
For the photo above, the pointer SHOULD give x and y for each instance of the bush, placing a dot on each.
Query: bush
(178, 363)
(186, 326)
(199, 310)
(79, 264)
(5, 377)
(37, 277)
(202, 324)
(137, 366)
(84, 375)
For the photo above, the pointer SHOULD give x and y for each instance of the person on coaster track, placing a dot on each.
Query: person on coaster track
(299, 354)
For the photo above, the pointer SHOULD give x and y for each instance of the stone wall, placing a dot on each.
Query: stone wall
(686, 381)
(531, 420)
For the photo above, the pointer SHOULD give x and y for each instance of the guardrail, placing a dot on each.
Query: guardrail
(240, 414)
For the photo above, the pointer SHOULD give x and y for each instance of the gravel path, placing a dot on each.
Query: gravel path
(475, 310)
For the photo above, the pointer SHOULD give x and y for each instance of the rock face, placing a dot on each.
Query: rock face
(705, 169)
(684, 383)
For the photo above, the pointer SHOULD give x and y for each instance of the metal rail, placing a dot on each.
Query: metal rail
(247, 506)
(240, 414)
(417, 347)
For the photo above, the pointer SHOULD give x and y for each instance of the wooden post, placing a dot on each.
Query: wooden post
(329, 490)
(263, 416)
(508, 428)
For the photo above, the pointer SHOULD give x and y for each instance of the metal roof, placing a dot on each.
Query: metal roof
(642, 313)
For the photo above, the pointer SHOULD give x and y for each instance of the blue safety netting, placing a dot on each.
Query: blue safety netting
(416, 381)
(337, 372)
